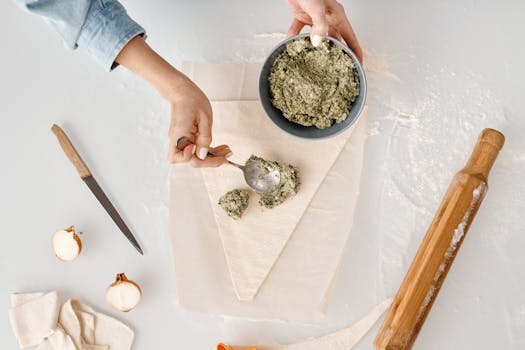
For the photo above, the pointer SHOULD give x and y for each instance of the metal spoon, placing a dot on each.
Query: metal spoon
(256, 176)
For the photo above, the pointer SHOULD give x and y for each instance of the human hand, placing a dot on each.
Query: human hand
(216, 156)
(191, 117)
(325, 17)
(191, 114)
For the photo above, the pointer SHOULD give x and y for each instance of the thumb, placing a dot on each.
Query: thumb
(319, 23)
(203, 139)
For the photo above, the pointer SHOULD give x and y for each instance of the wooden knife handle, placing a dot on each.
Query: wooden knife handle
(440, 245)
(70, 151)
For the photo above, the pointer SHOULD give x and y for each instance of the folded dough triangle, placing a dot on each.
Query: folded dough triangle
(253, 244)
(343, 339)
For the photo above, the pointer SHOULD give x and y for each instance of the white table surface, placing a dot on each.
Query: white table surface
(439, 72)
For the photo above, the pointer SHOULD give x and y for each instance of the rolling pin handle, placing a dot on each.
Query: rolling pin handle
(490, 142)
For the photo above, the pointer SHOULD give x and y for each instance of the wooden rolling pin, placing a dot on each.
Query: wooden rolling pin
(439, 247)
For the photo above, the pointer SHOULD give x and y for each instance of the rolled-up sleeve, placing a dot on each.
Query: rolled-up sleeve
(101, 28)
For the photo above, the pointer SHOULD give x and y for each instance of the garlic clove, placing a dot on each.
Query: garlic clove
(123, 294)
(66, 244)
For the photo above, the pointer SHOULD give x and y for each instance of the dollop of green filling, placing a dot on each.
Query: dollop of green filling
(314, 86)
(234, 203)
(288, 184)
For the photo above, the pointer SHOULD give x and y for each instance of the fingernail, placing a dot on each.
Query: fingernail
(193, 149)
(203, 152)
(316, 40)
(229, 154)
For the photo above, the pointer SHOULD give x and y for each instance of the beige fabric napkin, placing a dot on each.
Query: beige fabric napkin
(253, 244)
(38, 319)
(298, 286)
(33, 316)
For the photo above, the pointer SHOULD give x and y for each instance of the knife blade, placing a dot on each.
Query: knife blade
(92, 184)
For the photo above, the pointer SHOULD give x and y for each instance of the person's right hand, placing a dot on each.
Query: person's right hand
(191, 116)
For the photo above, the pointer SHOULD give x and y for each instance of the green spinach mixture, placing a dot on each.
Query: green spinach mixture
(234, 203)
(287, 187)
(314, 86)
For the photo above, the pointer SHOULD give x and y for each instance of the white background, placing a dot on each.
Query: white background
(439, 72)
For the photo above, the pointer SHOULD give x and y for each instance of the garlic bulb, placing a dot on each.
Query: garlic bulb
(66, 244)
(123, 294)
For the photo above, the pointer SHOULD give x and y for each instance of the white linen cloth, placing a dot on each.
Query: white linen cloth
(298, 286)
(38, 319)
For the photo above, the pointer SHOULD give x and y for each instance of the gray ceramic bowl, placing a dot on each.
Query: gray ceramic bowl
(308, 132)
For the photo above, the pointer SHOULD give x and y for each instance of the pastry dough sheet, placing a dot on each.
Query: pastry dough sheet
(298, 286)
(253, 244)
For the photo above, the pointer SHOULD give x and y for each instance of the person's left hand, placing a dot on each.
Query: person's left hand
(325, 17)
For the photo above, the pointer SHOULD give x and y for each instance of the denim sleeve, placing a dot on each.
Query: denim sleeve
(101, 28)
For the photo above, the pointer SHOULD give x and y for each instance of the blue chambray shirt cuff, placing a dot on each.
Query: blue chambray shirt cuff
(106, 31)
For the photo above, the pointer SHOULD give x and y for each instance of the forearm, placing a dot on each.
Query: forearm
(141, 59)
(99, 28)
(191, 113)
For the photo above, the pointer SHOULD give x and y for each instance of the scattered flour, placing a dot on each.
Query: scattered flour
(516, 325)
(426, 301)
(440, 271)
(275, 36)
(378, 64)
(256, 48)
(152, 131)
(423, 121)
(458, 234)
(424, 136)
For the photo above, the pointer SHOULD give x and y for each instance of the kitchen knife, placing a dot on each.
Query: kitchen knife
(90, 181)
